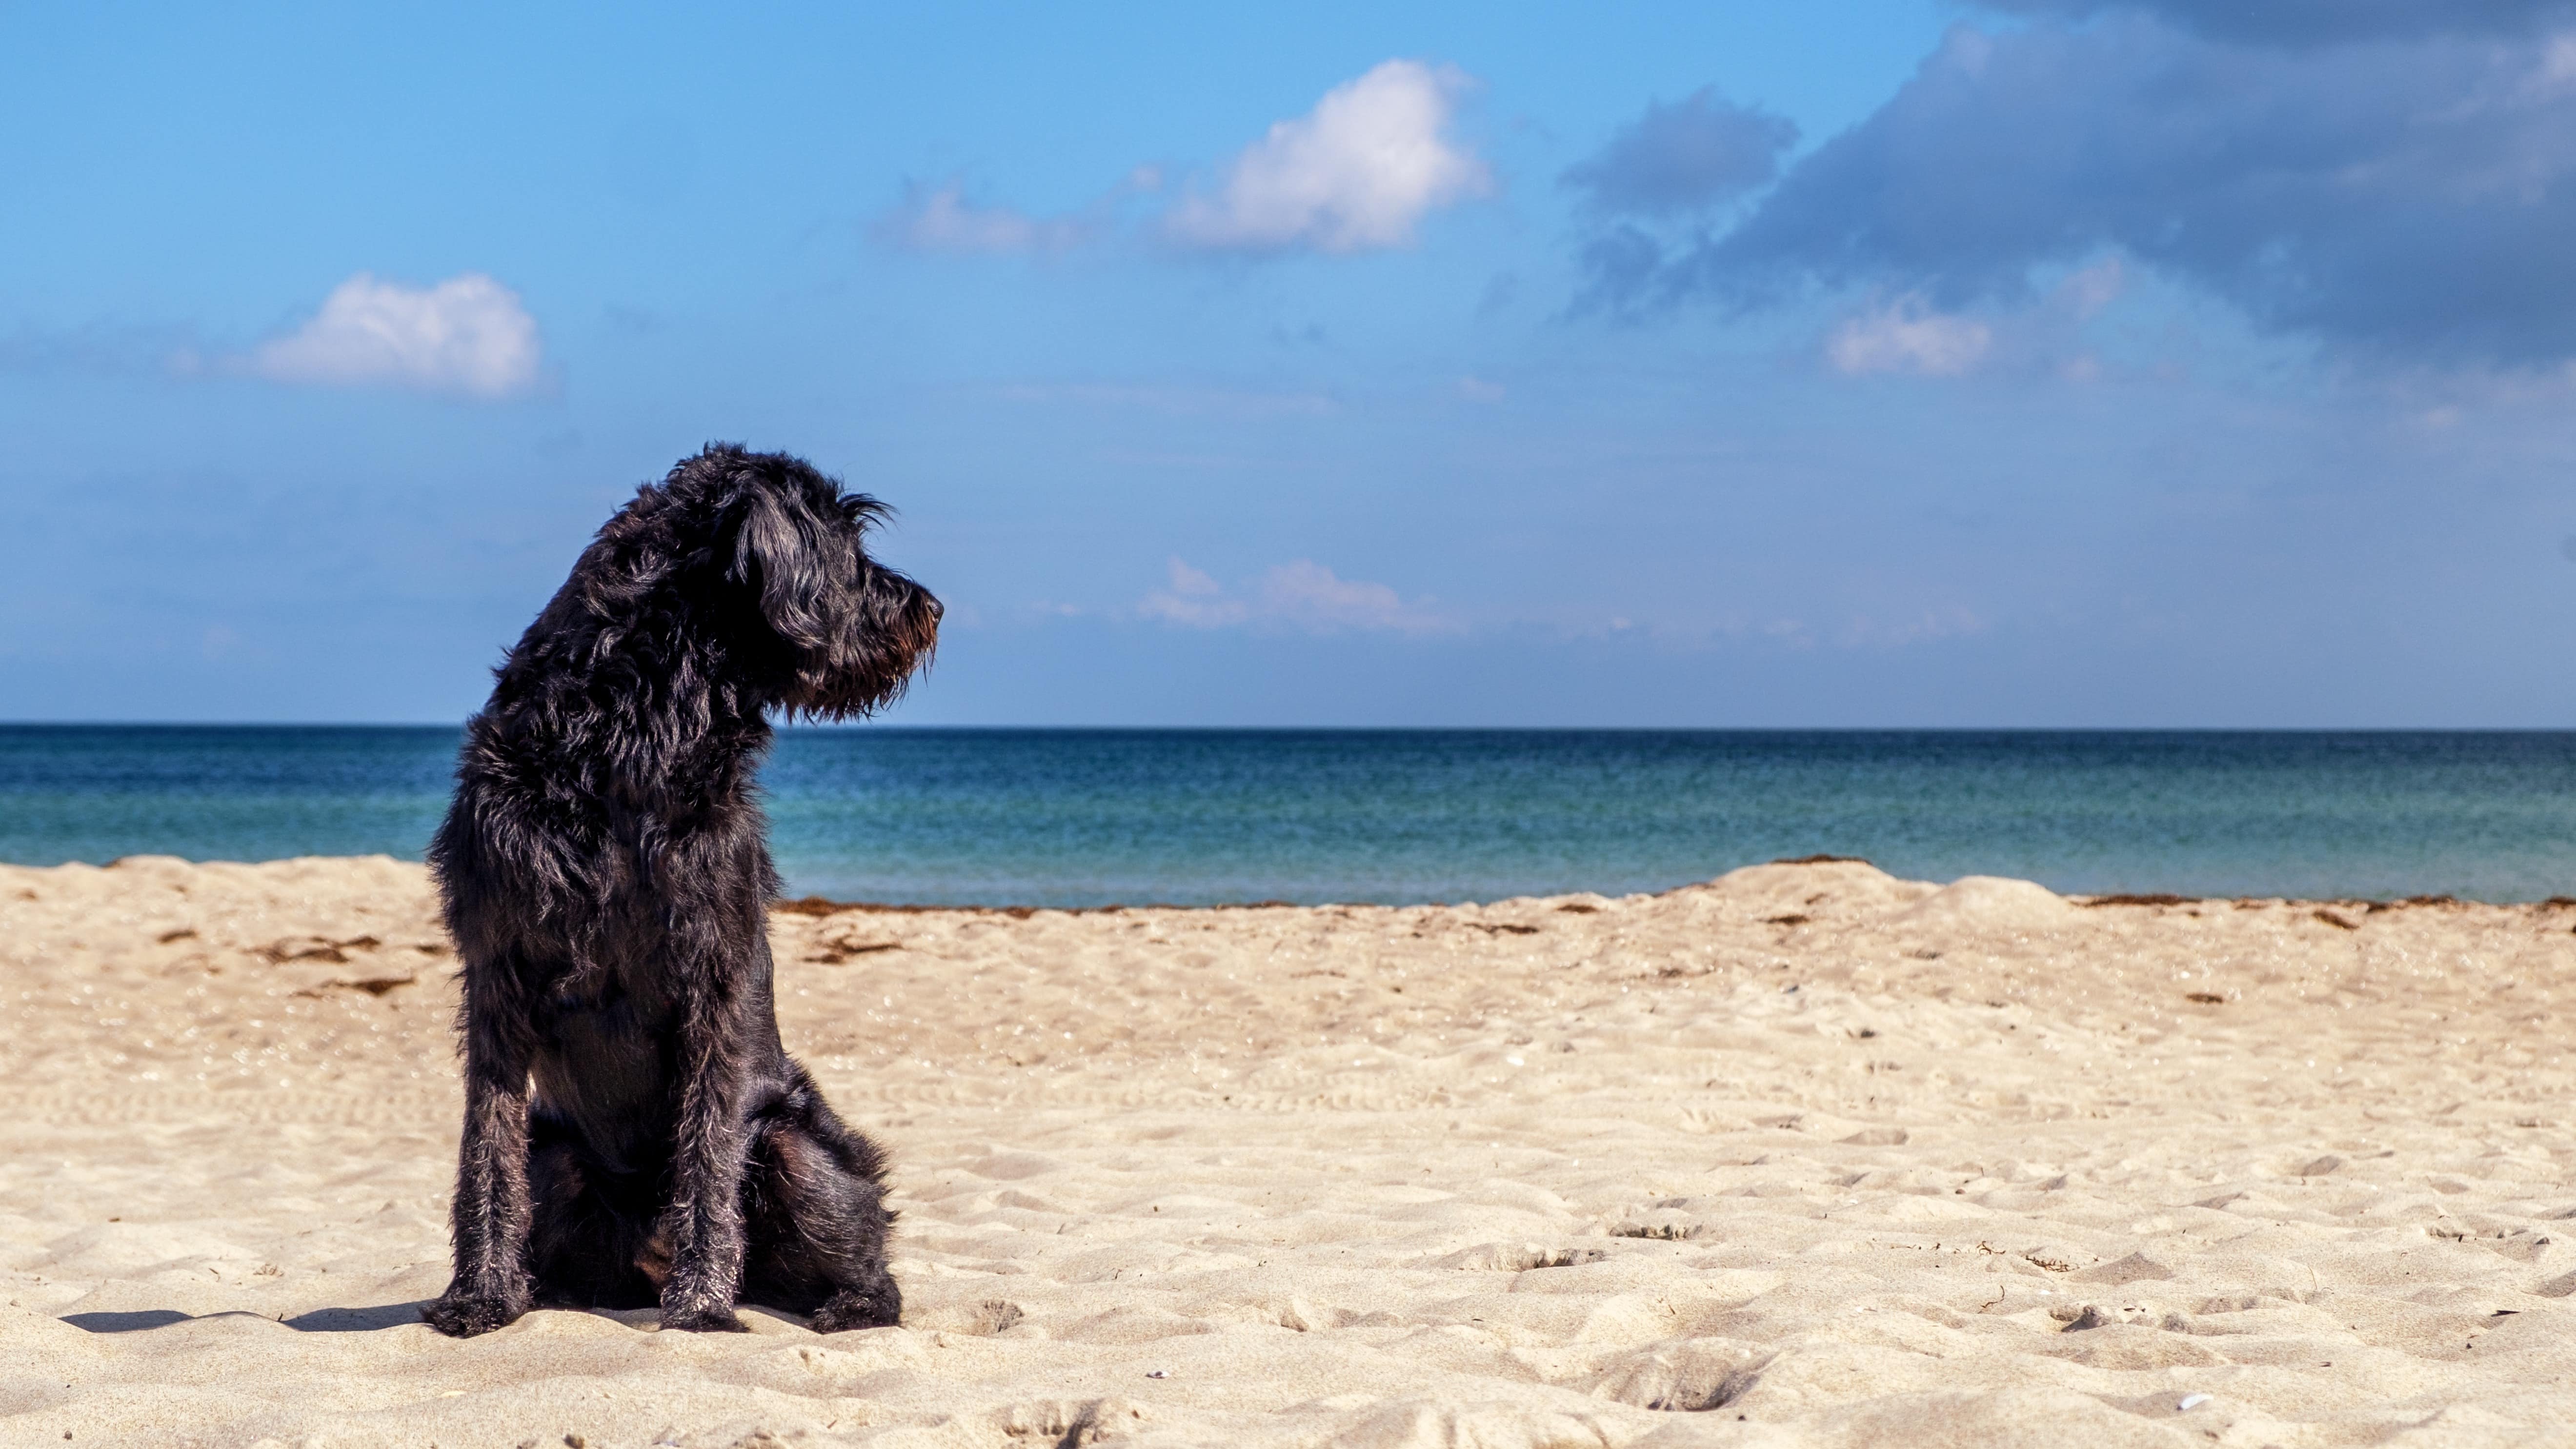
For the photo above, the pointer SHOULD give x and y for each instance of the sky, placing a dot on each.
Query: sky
(2082, 363)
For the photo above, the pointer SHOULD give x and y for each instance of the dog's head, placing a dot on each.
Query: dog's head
(776, 554)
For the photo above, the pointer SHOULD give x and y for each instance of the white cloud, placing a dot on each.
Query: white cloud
(1193, 599)
(1354, 174)
(1908, 336)
(1301, 595)
(467, 335)
(941, 219)
(1311, 596)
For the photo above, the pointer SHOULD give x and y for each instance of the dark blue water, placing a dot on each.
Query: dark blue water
(1081, 817)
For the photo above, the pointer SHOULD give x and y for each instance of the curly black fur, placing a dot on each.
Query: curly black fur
(634, 1132)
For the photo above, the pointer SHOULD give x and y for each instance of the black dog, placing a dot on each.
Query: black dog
(634, 1132)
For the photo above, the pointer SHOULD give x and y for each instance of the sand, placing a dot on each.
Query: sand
(1804, 1156)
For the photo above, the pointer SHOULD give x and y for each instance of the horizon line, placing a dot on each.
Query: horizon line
(859, 727)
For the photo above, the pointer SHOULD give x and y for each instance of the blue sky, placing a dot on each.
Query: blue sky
(2046, 362)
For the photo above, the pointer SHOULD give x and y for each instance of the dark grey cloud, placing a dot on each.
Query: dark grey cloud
(1684, 157)
(2412, 201)
(2319, 22)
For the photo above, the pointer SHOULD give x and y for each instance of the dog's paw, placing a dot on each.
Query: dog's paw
(702, 1318)
(463, 1315)
(860, 1308)
(702, 1313)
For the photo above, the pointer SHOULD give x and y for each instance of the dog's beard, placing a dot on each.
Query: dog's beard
(892, 635)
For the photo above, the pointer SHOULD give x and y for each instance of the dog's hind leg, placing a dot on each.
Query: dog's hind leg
(489, 1220)
(814, 1208)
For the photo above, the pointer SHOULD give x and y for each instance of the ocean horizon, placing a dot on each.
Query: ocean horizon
(1088, 817)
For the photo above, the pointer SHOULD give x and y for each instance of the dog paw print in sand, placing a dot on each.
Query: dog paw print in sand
(1685, 1375)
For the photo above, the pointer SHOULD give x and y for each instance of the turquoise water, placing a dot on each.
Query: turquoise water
(1088, 817)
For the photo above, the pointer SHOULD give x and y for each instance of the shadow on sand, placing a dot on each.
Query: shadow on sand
(320, 1320)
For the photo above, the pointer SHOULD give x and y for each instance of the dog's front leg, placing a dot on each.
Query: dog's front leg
(704, 1223)
(489, 1222)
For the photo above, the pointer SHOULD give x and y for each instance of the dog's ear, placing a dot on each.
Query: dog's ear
(779, 550)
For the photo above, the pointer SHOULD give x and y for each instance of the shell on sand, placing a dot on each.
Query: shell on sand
(1804, 1155)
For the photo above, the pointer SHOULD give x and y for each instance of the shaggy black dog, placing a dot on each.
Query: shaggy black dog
(634, 1132)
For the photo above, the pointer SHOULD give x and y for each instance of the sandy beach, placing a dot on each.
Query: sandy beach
(1803, 1156)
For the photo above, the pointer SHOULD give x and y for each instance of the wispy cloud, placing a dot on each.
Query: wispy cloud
(1194, 599)
(2047, 338)
(467, 335)
(1357, 173)
(1179, 401)
(101, 348)
(1300, 595)
(1863, 631)
(1908, 336)
(941, 219)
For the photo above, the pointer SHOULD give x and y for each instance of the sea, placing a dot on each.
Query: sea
(1088, 817)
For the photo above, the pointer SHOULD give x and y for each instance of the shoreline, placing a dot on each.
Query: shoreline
(823, 906)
